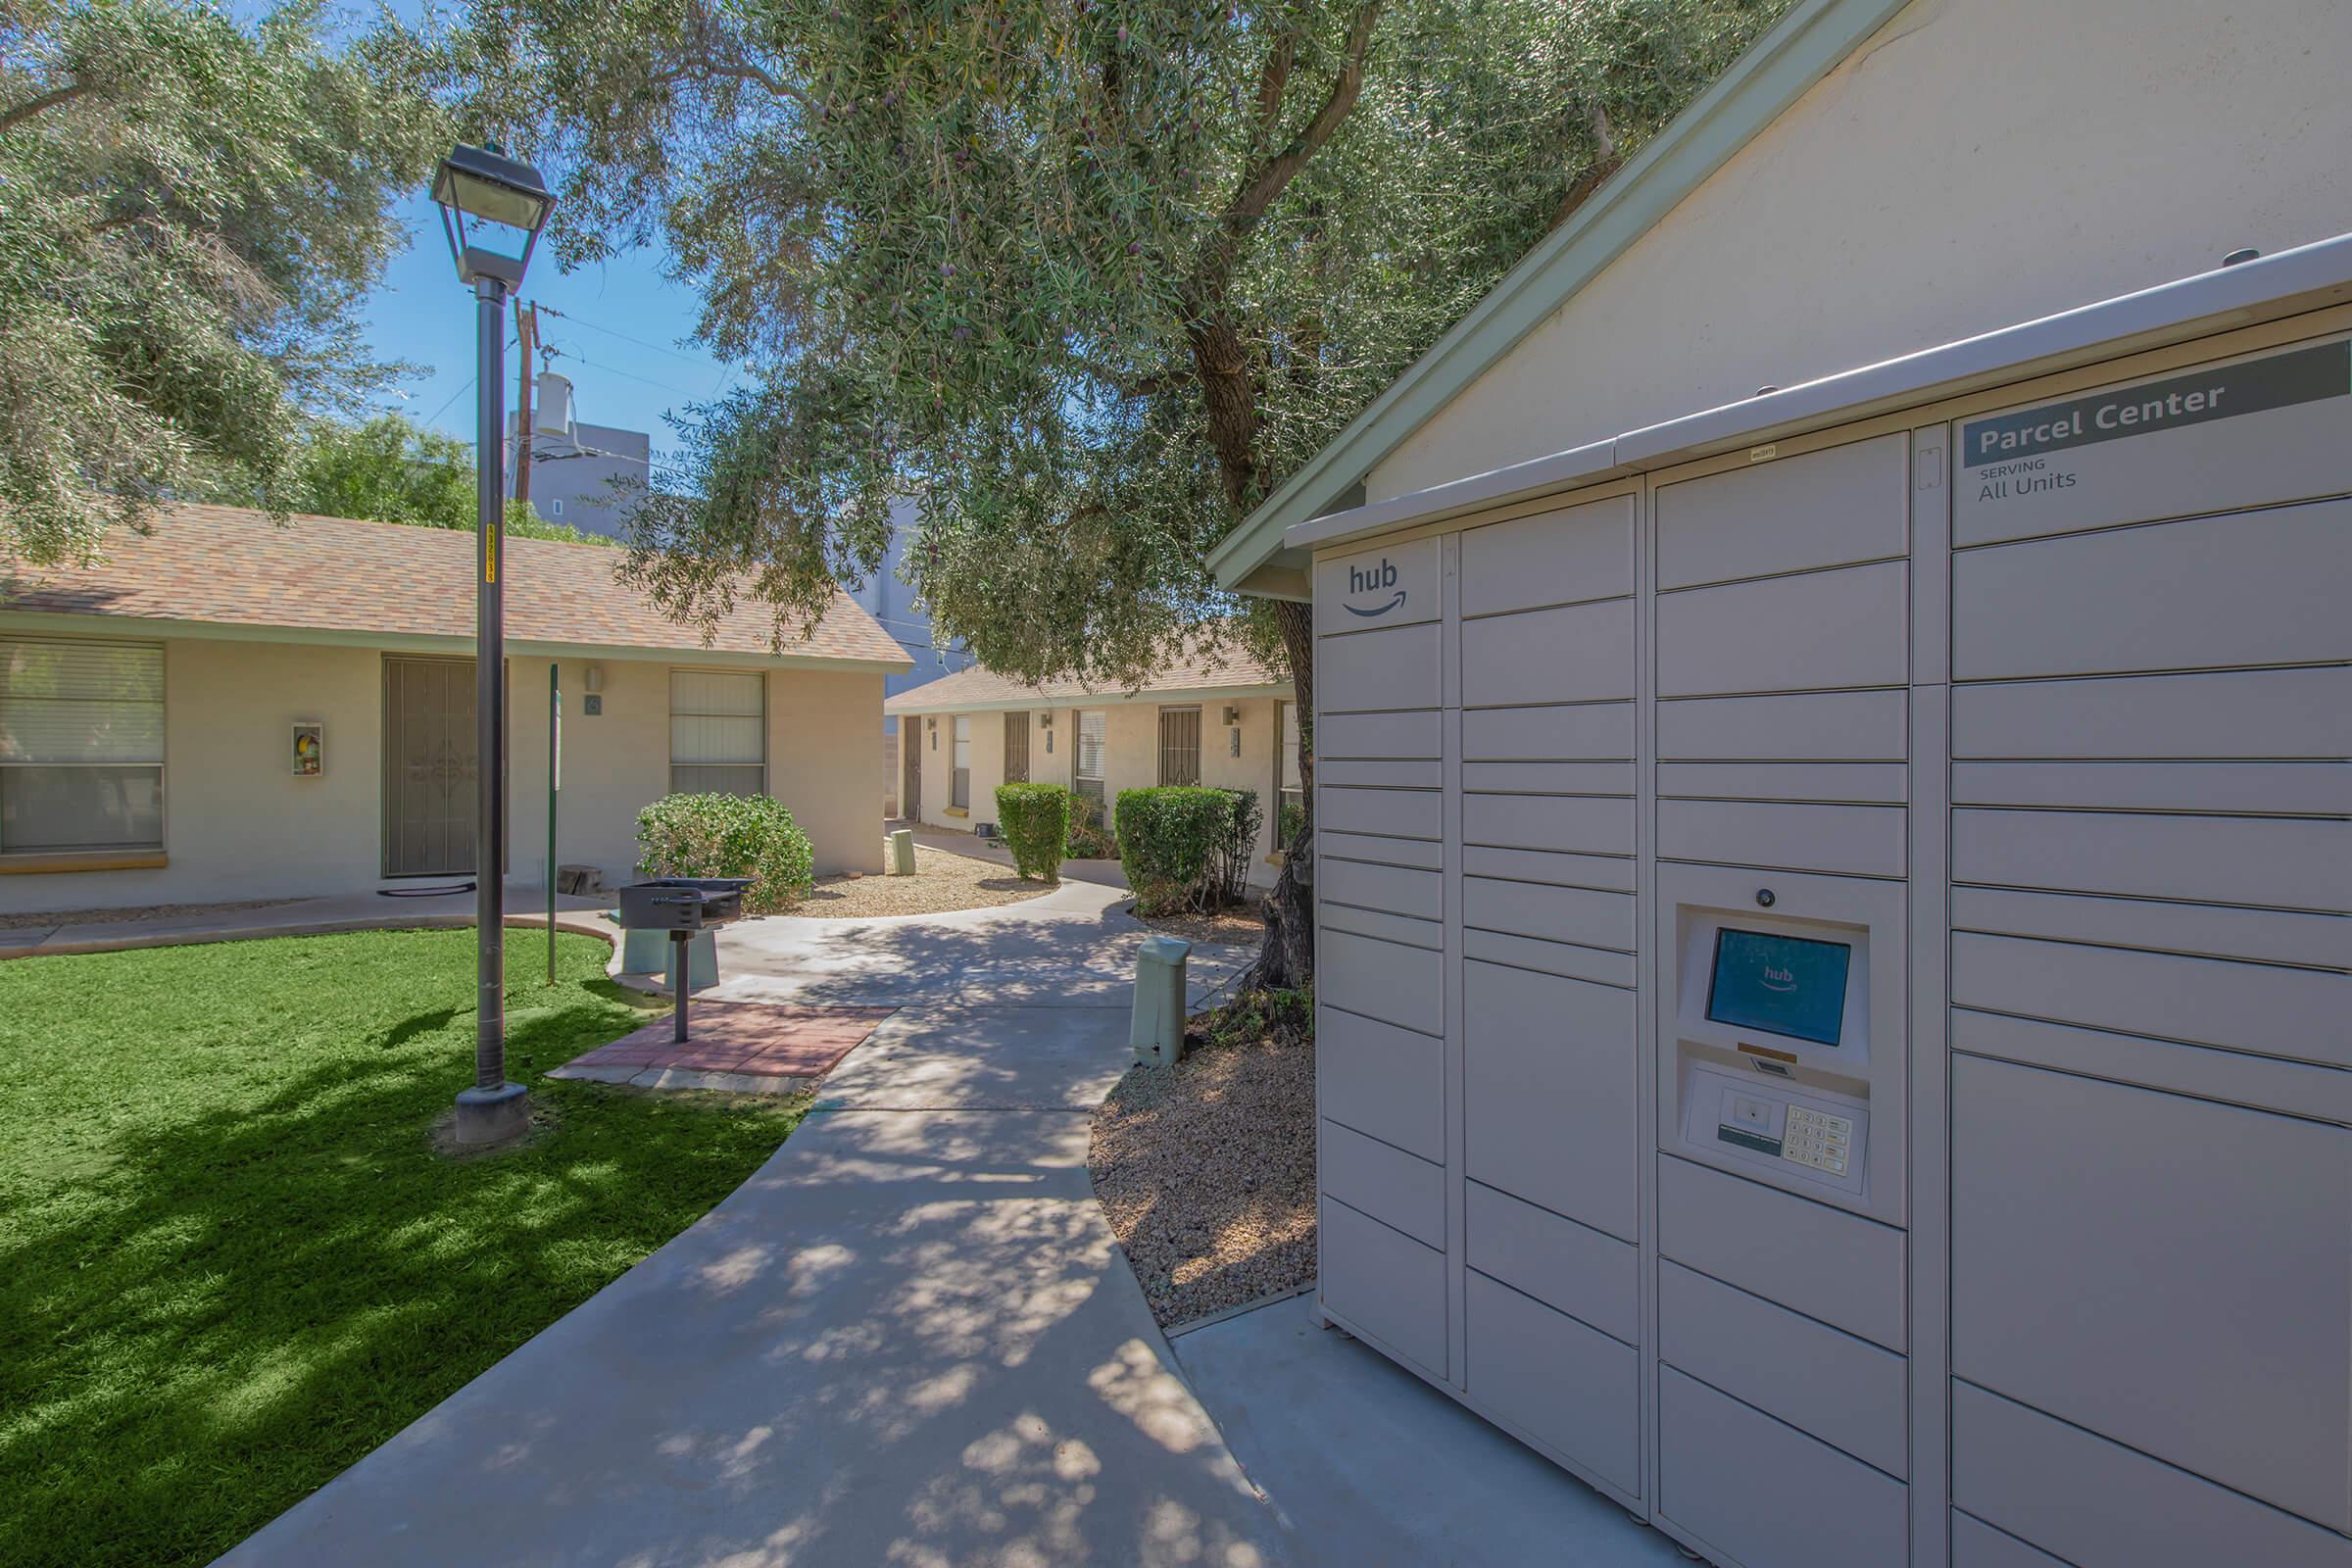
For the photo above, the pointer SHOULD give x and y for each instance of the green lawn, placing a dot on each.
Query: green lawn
(230, 1261)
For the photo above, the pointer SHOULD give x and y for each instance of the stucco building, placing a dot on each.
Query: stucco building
(227, 708)
(1224, 720)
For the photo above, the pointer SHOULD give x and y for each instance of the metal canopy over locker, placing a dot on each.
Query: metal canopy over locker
(1834, 969)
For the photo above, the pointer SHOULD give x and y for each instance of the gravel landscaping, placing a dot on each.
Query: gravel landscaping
(943, 881)
(1244, 926)
(1207, 1173)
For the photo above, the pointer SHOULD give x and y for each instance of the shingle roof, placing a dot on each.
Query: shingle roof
(227, 565)
(979, 688)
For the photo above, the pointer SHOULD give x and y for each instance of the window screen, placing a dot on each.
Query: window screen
(1093, 731)
(718, 732)
(1180, 745)
(82, 746)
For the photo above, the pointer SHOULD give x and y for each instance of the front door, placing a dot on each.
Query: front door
(429, 766)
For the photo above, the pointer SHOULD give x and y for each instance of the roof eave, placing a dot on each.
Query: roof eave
(899, 707)
(98, 624)
(1780, 66)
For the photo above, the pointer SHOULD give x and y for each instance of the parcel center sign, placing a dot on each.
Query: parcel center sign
(2229, 435)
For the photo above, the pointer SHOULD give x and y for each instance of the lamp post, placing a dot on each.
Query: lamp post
(492, 209)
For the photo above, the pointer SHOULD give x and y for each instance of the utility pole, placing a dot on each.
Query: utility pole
(526, 332)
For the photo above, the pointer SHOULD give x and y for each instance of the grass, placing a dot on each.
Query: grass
(231, 1261)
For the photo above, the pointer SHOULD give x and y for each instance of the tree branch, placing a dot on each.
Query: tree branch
(1258, 193)
(1604, 164)
(11, 119)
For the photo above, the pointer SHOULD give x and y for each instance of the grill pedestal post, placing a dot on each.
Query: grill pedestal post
(681, 976)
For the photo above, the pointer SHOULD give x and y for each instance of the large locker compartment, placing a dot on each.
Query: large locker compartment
(1836, 966)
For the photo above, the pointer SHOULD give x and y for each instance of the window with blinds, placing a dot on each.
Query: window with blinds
(82, 746)
(1092, 730)
(1180, 745)
(718, 732)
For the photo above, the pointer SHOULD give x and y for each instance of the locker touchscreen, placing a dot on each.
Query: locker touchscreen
(1793, 986)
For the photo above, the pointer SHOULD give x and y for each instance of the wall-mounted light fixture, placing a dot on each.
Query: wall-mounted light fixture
(593, 677)
(1233, 715)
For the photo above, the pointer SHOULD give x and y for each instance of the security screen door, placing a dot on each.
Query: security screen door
(1016, 747)
(429, 766)
(1180, 745)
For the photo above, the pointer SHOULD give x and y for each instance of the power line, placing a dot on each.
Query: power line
(594, 327)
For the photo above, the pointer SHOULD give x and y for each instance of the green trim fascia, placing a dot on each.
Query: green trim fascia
(1802, 47)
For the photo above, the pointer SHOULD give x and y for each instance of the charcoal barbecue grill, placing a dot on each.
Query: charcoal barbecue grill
(681, 906)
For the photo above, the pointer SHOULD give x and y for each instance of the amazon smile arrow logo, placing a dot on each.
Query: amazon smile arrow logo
(1371, 580)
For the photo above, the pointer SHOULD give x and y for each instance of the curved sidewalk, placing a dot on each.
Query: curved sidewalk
(909, 1339)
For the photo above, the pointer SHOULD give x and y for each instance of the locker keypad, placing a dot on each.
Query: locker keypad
(1817, 1139)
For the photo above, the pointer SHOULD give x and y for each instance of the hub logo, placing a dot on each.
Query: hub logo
(1373, 580)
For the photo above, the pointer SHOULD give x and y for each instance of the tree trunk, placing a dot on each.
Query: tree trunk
(1287, 960)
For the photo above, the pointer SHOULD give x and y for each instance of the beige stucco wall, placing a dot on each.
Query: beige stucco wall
(1131, 757)
(238, 824)
(1978, 163)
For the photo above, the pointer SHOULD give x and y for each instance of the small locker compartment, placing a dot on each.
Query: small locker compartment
(1842, 1390)
(1381, 1080)
(1374, 1178)
(2093, 1503)
(1837, 1267)
(2164, 1271)
(1828, 507)
(1383, 1284)
(1585, 1273)
(1569, 1387)
(1376, 979)
(1757, 1492)
(1549, 1079)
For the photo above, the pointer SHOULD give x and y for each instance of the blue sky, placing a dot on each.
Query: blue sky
(620, 337)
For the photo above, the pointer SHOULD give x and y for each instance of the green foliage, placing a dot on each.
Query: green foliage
(729, 835)
(236, 1263)
(1087, 279)
(391, 470)
(1035, 820)
(1283, 1016)
(1288, 823)
(1173, 842)
(1236, 850)
(1089, 839)
(194, 206)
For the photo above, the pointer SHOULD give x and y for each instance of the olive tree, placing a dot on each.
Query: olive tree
(191, 208)
(1085, 278)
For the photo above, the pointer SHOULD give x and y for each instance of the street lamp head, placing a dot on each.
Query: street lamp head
(492, 209)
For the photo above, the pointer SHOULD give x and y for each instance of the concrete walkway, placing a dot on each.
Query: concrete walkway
(908, 1339)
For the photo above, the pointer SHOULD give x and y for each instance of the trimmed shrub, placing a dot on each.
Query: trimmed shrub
(1229, 882)
(729, 835)
(1089, 839)
(1169, 838)
(1035, 821)
(1291, 819)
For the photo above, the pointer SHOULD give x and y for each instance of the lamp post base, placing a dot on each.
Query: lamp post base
(492, 1115)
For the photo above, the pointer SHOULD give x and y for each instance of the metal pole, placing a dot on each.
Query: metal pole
(493, 1108)
(555, 786)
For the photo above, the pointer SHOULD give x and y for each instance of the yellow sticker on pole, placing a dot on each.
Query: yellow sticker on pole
(490, 557)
